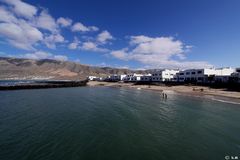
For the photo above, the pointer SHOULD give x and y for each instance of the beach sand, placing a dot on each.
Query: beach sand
(207, 92)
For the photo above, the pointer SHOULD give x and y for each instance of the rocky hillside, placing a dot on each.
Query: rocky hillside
(16, 68)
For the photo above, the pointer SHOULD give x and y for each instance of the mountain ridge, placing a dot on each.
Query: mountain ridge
(21, 68)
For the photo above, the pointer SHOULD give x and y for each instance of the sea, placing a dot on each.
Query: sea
(105, 123)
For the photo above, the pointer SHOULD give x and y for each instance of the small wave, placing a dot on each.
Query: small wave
(225, 101)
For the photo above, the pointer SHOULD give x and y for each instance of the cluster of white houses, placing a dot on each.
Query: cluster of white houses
(190, 75)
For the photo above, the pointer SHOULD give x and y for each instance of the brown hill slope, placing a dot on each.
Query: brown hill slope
(28, 69)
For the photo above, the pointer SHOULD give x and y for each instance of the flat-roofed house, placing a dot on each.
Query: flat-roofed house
(91, 78)
(116, 77)
(122, 76)
(132, 77)
(164, 75)
(204, 75)
(137, 77)
(146, 78)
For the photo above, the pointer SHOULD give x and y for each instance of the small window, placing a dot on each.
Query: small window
(187, 73)
(193, 72)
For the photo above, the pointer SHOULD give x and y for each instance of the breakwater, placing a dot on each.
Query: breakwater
(43, 84)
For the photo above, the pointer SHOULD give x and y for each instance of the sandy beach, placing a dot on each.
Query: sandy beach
(207, 92)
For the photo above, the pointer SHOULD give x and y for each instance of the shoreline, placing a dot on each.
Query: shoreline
(196, 91)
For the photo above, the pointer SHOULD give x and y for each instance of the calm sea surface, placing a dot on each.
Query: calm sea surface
(103, 123)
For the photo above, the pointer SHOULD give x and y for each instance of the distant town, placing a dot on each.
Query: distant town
(200, 76)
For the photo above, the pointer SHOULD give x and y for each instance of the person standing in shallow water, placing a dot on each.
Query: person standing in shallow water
(164, 95)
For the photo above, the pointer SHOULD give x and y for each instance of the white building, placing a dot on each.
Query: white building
(225, 71)
(128, 77)
(164, 75)
(236, 75)
(99, 79)
(146, 78)
(222, 79)
(195, 75)
(116, 77)
(204, 75)
(92, 78)
(95, 78)
(137, 77)
(132, 77)
(122, 76)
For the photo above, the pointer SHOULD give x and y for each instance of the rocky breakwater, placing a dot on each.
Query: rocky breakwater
(44, 84)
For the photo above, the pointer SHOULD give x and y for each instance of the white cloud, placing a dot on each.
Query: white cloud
(44, 55)
(139, 39)
(159, 52)
(91, 46)
(93, 28)
(120, 54)
(74, 44)
(21, 8)
(24, 34)
(6, 16)
(79, 27)
(21, 35)
(37, 55)
(64, 22)
(104, 36)
(60, 57)
(52, 39)
(47, 22)
(87, 46)
(25, 26)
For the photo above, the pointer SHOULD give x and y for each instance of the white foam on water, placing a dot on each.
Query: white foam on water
(225, 101)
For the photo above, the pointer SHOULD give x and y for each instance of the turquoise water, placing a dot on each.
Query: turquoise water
(103, 123)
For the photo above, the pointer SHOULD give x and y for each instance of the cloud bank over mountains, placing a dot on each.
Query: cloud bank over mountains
(31, 28)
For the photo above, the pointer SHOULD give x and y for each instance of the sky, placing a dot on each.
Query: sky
(135, 34)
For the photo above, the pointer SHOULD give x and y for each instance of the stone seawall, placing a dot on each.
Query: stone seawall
(45, 84)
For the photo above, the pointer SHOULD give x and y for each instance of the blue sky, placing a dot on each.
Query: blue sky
(130, 34)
